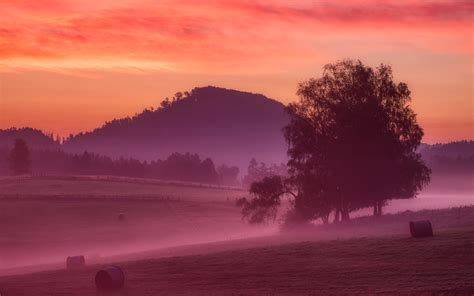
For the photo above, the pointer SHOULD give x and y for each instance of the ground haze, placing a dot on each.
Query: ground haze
(369, 263)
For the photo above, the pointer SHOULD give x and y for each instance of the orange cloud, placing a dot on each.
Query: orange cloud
(214, 33)
(386, 13)
(261, 46)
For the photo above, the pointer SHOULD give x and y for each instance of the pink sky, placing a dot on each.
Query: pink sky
(68, 66)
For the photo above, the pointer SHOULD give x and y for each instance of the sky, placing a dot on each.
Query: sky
(69, 66)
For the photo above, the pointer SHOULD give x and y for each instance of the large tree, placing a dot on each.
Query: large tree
(19, 158)
(352, 143)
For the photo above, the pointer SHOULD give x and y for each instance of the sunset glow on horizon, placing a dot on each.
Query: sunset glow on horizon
(69, 66)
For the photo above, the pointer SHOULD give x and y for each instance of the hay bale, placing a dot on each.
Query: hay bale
(421, 228)
(75, 262)
(110, 278)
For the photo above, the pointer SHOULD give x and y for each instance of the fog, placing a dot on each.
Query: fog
(39, 235)
(425, 201)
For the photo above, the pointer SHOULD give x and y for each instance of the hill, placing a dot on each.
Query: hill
(228, 126)
(33, 137)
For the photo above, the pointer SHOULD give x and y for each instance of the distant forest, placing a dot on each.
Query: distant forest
(185, 167)
(450, 158)
(47, 158)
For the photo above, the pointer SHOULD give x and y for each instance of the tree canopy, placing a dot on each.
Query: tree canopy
(352, 141)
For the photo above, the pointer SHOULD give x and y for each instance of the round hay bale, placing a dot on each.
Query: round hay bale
(421, 228)
(75, 262)
(110, 278)
(121, 217)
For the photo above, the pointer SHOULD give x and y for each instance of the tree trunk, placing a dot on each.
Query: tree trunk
(344, 209)
(379, 210)
(325, 219)
(337, 215)
(376, 209)
(345, 213)
(345, 216)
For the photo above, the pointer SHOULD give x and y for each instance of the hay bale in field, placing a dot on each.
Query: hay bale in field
(110, 278)
(75, 262)
(121, 217)
(421, 228)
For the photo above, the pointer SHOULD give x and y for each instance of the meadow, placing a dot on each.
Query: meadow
(397, 265)
(188, 239)
(111, 187)
(43, 219)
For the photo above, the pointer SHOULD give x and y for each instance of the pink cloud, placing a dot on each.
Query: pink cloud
(225, 31)
(365, 12)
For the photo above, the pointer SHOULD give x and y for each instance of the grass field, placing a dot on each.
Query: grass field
(392, 265)
(188, 239)
(106, 187)
(43, 220)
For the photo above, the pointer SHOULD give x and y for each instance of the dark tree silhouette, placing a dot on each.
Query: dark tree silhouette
(352, 143)
(19, 158)
(264, 208)
(177, 167)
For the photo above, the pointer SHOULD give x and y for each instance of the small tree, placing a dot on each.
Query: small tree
(267, 194)
(19, 158)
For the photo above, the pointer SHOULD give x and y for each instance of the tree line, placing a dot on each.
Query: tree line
(186, 167)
